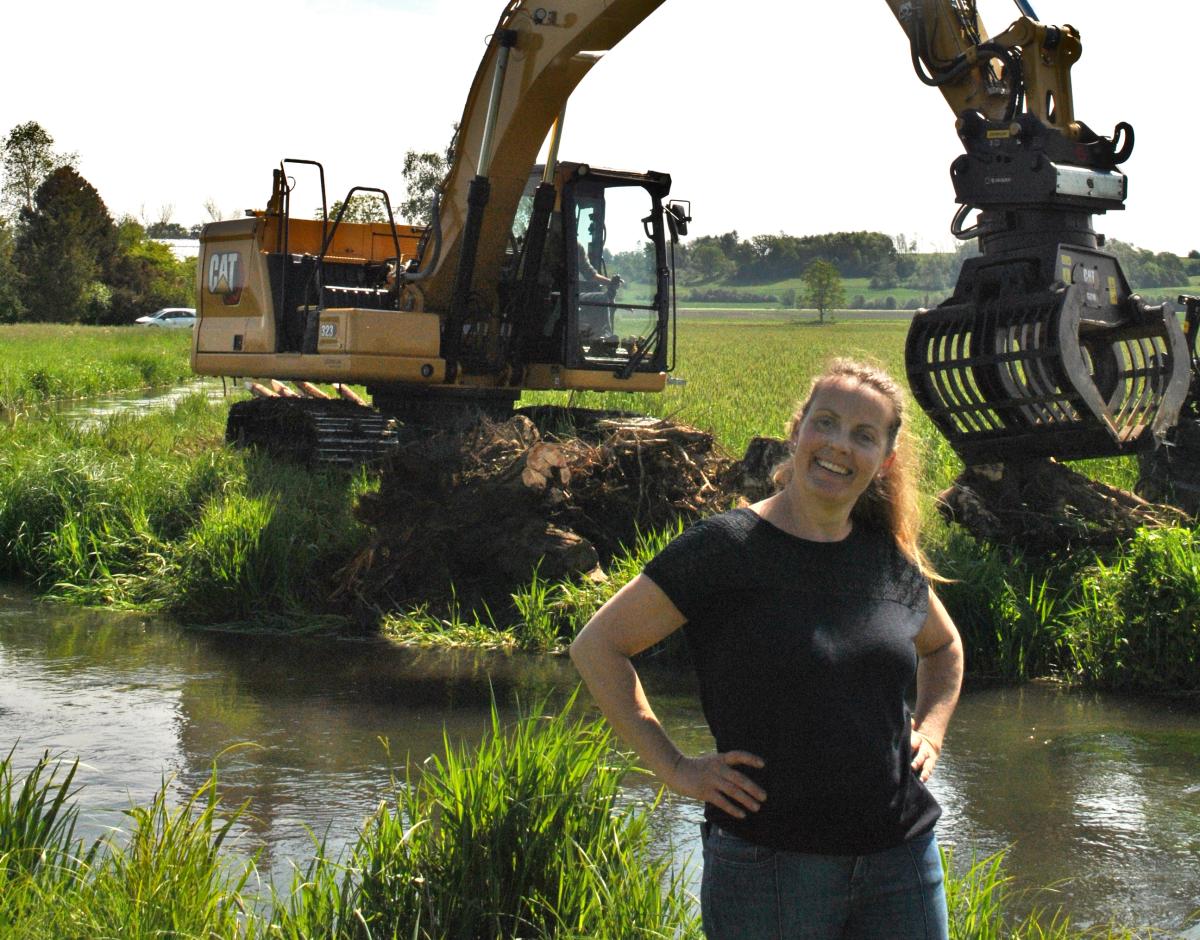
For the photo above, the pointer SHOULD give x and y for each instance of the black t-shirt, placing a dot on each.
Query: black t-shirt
(804, 652)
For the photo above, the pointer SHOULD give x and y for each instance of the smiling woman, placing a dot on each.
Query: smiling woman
(808, 616)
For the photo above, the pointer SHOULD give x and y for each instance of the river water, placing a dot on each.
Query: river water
(1097, 795)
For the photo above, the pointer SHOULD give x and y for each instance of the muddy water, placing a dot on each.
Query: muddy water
(1097, 795)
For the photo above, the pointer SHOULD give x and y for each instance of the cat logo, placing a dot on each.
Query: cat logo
(225, 276)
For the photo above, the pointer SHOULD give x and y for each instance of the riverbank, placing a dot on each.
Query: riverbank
(155, 512)
(51, 362)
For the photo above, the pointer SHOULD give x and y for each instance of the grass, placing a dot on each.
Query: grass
(979, 896)
(154, 512)
(526, 835)
(43, 362)
(550, 613)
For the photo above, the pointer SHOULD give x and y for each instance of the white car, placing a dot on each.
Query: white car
(169, 316)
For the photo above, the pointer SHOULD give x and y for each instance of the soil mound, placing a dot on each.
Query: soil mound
(1043, 508)
(553, 489)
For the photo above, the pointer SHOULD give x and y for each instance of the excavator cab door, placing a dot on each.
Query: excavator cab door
(616, 294)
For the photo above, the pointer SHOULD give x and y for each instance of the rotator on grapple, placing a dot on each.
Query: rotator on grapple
(1042, 350)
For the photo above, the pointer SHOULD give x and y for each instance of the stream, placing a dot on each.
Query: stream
(1095, 795)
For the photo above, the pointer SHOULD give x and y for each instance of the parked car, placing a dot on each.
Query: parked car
(169, 316)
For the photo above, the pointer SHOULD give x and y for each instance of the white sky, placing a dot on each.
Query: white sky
(771, 116)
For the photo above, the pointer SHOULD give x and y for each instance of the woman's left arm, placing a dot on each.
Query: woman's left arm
(939, 677)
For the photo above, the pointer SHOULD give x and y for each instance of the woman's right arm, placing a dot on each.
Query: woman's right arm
(635, 618)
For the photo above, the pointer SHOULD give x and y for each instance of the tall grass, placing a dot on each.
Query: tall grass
(981, 895)
(527, 835)
(1135, 619)
(41, 362)
(154, 512)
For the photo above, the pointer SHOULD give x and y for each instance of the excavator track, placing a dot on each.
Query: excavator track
(315, 432)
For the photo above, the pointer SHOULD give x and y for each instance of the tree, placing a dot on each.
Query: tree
(1144, 268)
(162, 226)
(28, 159)
(169, 230)
(363, 207)
(423, 176)
(11, 308)
(710, 264)
(65, 245)
(823, 286)
(933, 272)
(636, 264)
(144, 275)
(886, 275)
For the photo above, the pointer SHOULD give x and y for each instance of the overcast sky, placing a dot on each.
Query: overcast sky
(771, 116)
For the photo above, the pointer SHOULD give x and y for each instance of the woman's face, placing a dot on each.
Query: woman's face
(842, 443)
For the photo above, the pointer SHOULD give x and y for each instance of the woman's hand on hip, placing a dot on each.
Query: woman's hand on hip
(925, 754)
(715, 779)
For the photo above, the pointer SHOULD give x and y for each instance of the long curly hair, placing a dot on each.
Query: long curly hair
(890, 502)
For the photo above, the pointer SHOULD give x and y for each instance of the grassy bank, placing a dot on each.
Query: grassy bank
(525, 836)
(48, 361)
(155, 512)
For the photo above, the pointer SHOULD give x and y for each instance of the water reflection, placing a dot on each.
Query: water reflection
(1099, 795)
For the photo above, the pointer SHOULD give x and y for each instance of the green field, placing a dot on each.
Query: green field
(874, 298)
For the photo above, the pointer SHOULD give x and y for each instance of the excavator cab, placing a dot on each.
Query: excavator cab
(601, 260)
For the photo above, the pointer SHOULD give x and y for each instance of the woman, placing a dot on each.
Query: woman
(808, 616)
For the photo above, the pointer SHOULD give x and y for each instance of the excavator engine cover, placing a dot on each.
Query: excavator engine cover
(1080, 369)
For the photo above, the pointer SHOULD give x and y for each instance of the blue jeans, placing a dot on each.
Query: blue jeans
(750, 892)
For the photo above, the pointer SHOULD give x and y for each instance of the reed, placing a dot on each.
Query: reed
(1132, 622)
(982, 895)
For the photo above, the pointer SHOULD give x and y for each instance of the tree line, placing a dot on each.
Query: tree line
(888, 262)
(63, 258)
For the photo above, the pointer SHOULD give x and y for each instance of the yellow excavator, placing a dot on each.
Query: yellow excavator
(1043, 349)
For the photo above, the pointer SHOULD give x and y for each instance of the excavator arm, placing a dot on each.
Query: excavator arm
(534, 60)
(1043, 350)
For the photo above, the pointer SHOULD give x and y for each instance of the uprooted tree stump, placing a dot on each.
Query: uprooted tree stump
(1044, 508)
(482, 508)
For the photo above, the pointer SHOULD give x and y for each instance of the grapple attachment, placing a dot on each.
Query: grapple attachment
(1059, 373)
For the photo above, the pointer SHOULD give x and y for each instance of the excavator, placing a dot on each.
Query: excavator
(1042, 350)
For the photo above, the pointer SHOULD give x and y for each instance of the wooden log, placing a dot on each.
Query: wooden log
(344, 391)
(259, 390)
(283, 390)
(308, 390)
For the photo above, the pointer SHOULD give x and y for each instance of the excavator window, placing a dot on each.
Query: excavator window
(613, 278)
